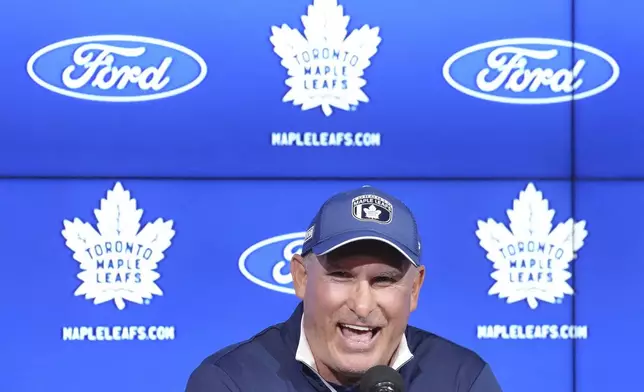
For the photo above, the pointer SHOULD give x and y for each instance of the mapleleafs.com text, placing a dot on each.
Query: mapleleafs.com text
(118, 333)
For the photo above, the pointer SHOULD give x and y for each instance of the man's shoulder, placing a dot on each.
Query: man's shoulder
(241, 366)
(261, 348)
(448, 366)
(430, 349)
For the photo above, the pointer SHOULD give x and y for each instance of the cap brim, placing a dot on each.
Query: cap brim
(339, 240)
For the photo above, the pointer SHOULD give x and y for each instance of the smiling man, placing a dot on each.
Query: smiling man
(359, 277)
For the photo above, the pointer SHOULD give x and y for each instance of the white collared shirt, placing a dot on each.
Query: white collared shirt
(304, 354)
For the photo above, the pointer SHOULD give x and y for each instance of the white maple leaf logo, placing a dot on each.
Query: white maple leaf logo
(325, 67)
(530, 259)
(118, 261)
(372, 212)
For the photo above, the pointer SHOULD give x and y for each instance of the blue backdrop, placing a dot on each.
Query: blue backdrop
(233, 121)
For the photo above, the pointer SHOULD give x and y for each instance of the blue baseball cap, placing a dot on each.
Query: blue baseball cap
(365, 213)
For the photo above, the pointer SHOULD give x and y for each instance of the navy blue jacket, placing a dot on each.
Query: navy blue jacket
(266, 362)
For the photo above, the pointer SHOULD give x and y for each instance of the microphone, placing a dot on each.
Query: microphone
(382, 378)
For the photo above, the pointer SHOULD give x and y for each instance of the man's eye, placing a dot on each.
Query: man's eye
(384, 279)
(340, 274)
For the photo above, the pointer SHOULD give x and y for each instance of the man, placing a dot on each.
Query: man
(359, 277)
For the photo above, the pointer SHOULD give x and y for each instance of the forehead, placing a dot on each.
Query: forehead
(367, 249)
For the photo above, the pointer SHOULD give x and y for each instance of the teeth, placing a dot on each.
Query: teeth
(357, 327)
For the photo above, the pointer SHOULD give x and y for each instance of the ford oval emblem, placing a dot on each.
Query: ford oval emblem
(531, 71)
(266, 263)
(116, 68)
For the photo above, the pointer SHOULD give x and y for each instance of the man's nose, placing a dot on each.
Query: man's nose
(362, 301)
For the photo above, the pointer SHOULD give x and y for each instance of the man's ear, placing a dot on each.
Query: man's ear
(298, 272)
(418, 283)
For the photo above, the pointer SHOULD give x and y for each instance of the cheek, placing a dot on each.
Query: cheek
(336, 294)
(327, 296)
(394, 303)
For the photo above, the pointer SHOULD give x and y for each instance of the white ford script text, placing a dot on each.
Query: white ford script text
(513, 73)
(100, 72)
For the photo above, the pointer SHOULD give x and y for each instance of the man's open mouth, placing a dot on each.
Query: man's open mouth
(358, 333)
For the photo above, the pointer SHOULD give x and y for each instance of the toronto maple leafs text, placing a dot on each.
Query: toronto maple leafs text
(565, 332)
(119, 262)
(326, 68)
(118, 333)
(325, 139)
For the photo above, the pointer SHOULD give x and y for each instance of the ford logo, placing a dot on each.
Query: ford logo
(531, 71)
(267, 263)
(116, 68)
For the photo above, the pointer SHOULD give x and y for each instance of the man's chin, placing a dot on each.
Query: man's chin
(355, 364)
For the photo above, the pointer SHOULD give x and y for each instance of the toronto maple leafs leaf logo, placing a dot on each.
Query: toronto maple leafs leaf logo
(372, 212)
(118, 262)
(325, 67)
(531, 259)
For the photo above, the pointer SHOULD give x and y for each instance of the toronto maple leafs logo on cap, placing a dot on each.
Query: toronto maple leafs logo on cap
(372, 208)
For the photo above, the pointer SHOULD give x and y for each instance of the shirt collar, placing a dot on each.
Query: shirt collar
(304, 354)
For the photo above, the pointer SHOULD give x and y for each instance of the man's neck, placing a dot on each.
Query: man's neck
(333, 377)
(343, 379)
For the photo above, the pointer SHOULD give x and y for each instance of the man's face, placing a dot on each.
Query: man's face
(357, 302)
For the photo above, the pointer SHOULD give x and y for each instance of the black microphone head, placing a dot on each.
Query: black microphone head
(382, 378)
